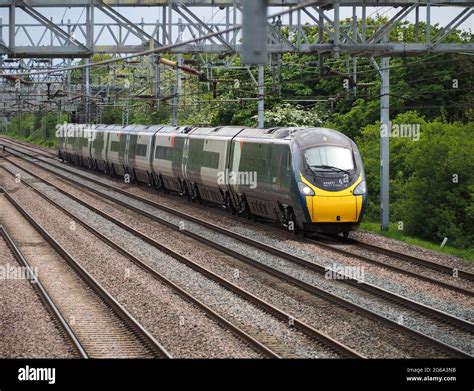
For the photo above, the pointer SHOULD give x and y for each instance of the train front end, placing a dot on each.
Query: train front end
(330, 179)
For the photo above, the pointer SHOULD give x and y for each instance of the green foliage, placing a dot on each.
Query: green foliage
(361, 114)
(434, 91)
(424, 192)
(289, 115)
(38, 128)
(439, 188)
(111, 115)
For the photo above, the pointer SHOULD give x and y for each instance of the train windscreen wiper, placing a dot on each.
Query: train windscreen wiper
(324, 166)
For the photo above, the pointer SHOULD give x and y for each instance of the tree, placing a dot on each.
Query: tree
(431, 180)
(289, 115)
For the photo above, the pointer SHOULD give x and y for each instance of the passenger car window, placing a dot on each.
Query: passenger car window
(164, 153)
(140, 150)
(115, 146)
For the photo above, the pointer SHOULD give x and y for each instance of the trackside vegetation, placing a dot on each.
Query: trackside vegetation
(431, 133)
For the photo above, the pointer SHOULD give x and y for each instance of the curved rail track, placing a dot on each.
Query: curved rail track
(94, 308)
(267, 346)
(439, 317)
(446, 272)
(48, 302)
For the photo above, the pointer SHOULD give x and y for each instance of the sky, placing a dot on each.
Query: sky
(441, 15)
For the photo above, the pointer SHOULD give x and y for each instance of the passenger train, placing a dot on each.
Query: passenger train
(307, 179)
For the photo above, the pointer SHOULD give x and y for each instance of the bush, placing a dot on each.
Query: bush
(431, 180)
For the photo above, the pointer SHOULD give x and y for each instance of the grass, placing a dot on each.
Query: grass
(394, 233)
(52, 144)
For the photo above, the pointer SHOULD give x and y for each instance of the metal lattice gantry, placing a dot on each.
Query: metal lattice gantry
(29, 34)
(103, 29)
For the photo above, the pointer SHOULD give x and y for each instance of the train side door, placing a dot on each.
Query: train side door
(229, 167)
(106, 147)
(127, 146)
(185, 157)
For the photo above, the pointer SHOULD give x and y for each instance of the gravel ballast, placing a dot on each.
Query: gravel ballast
(372, 339)
(308, 252)
(183, 329)
(27, 329)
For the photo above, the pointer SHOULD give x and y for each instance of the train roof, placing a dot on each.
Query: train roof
(304, 136)
(222, 131)
(272, 133)
(317, 136)
(289, 133)
(151, 129)
(129, 128)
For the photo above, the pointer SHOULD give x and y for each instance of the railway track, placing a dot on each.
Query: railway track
(342, 246)
(444, 320)
(449, 271)
(465, 278)
(27, 146)
(97, 325)
(48, 302)
(265, 344)
(445, 272)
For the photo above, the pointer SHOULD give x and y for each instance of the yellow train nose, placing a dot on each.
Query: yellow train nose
(334, 206)
(344, 209)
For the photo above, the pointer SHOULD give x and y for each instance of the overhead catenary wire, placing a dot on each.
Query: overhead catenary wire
(166, 48)
(105, 63)
(301, 80)
(316, 76)
(175, 45)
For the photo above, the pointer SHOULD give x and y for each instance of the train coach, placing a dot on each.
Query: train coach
(308, 179)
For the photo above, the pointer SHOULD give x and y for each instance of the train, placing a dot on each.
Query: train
(306, 179)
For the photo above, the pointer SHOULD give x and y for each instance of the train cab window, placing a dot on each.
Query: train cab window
(327, 157)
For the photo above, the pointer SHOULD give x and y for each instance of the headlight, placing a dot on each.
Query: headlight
(360, 189)
(305, 189)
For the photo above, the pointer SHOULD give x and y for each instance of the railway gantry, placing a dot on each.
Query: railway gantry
(37, 42)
